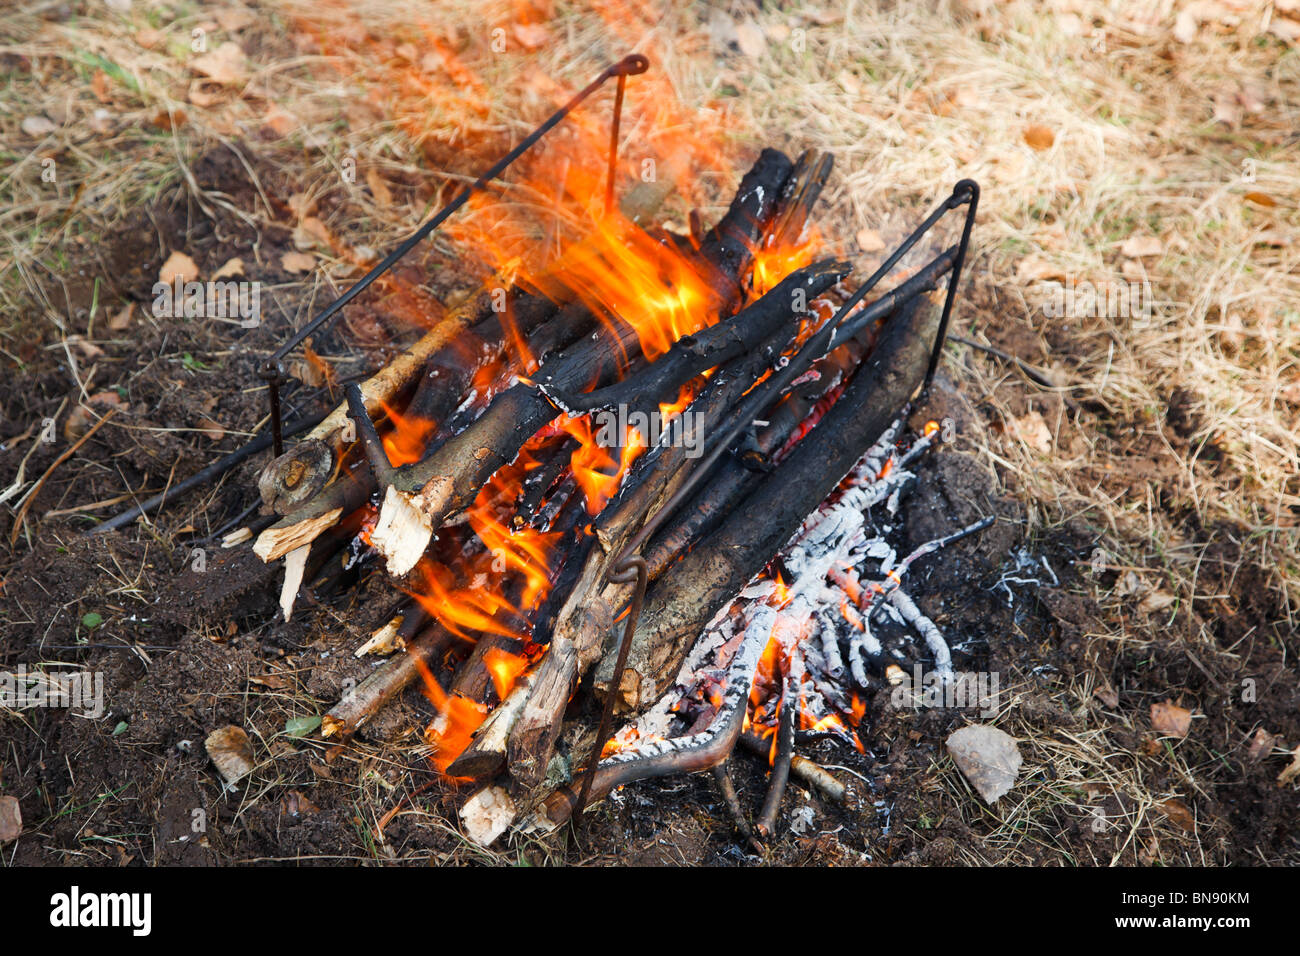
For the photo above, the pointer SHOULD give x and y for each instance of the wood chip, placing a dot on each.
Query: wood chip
(487, 815)
(987, 757)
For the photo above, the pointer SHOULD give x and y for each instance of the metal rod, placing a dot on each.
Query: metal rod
(613, 144)
(628, 569)
(631, 65)
(966, 191)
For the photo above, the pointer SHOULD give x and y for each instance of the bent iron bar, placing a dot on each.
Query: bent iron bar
(273, 371)
(631, 567)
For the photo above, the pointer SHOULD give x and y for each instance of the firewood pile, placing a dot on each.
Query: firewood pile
(652, 482)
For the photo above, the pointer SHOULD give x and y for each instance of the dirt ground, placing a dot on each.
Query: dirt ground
(1145, 550)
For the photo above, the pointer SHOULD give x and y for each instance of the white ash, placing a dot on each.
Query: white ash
(828, 603)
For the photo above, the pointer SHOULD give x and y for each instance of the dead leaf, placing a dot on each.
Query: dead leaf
(100, 86)
(280, 121)
(1038, 269)
(297, 262)
(122, 318)
(11, 819)
(1033, 431)
(1179, 815)
(1260, 199)
(1039, 137)
(378, 187)
(1261, 745)
(312, 232)
(1139, 247)
(1171, 719)
(226, 64)
(149, 38)
(231, 751)
(987, 757)
(869, 240)
(38, 126)
(178, 266)
(84, 415)
(1106, 694)
(231, 267)
(211, 429)
(295, 804)
(1292, 771)
(531, 35)
(233, 19)
(750, 39)
(1156, 600)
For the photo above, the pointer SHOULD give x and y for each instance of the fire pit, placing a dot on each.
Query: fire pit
(655, 479)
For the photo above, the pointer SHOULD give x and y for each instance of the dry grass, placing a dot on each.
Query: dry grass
(1189, 143)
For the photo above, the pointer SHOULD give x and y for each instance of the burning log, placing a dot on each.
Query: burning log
(584, 620)
(426, 494)
(767, 817)
(694, 588)
(292, 484)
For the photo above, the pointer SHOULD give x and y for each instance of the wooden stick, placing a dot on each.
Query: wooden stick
(388, 680)
(693, 589)
(40, 482)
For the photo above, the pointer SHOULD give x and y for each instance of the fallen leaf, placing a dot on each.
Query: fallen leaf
(38, 126)
(531, 35)
(1156, 600)
(149, 38)
(231, 751)
(869, 240)
(211, 429)
(11, 819)
(987, 757)
(1139, 247)
(178, 266)
(311, 232)
(231, 267)
(297, 262)
(1171, 719)
(122, 318)
(100, 86)
(1179, 815)
(750, 39)
(280, 121)
(1038, 269)
(1033, 431)
(205, 93)
(295, 804)
(1260, 199)
(226, 64)
(301, 726)
(233, 19)
(1106, 694)
(1292, 771)
(1261, 745)
(1039, 137)
(378, 187)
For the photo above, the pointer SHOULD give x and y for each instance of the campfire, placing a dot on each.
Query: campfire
(642, 476)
